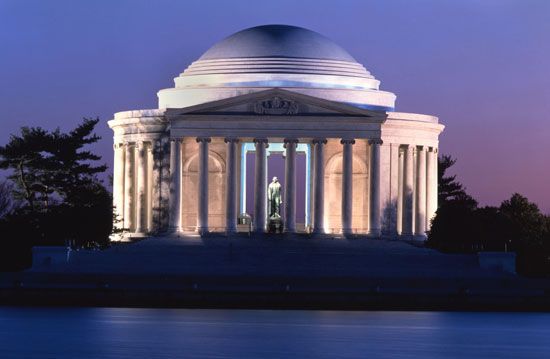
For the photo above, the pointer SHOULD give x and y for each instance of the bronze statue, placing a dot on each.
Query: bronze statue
(274, 198)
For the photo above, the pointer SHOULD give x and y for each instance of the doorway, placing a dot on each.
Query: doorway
(275, 154)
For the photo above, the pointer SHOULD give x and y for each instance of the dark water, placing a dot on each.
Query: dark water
(166, 333)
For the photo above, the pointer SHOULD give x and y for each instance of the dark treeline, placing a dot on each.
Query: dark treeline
(52, 195)
(517, 225)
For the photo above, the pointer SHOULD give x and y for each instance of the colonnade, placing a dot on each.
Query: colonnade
(135, 176)
(260, 185)
(418, 192)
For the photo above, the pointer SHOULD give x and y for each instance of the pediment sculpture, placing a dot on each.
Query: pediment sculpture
(276, 106)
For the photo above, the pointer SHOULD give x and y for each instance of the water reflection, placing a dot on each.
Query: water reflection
(173, 333)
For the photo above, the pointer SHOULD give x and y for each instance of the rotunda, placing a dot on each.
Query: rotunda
(351, 164)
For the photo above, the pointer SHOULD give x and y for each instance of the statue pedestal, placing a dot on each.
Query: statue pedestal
(275, 225)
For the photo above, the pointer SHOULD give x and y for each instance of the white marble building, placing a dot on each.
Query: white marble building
(275, 89)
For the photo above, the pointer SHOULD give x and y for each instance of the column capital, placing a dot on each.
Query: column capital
(140, 144)
(118, 145)
(421, 147)
(261, 140)
(347, 141)
(322, 141)
(432, 149)
(376, 141)
(292, 141)
(231, 140)
(203, 139)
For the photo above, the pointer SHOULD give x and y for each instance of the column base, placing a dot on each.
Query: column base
(202, 230)
(346, 232)
(390, 236)
(174, 230)
(131, 235)
(375, 233)
(406, 237)
(420, 237)
(230, 231)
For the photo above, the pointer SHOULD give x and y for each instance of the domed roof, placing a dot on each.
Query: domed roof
(277, 41)
(277, 56)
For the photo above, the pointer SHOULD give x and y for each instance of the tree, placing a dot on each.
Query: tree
(24, 156)
(452, 225)
(448, 187)
(490, 230)
(516, 225)
(6, 200)
(527, 223)
(48, 167)
(55, 176)
(529, 235)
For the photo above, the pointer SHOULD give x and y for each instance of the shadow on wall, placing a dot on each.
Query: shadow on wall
(160, 193)
(389, 219)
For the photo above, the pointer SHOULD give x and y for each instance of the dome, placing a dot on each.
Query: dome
(277, 56)
(277, 41)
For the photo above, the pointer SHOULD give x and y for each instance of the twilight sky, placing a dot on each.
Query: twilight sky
(482, 66)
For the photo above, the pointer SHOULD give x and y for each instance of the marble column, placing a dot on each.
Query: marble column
(118, 184)
(260, 185)
(319, 186)
(175, 186)
(129, 188)
(202, 215)
(164, 184)
(375, 225)
(400, 167)
(141, 203)
(231, 186)
(431, 186)
(154, 158)
(289, 193)
(347, 185)
(408, 171)
(420, 200)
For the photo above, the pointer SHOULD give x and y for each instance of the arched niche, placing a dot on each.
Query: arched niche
(333, 194)
(216, 192)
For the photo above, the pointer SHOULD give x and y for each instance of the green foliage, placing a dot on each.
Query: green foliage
(527, 224)
(448, 187)
(530, 233)
(6, 201)
(460, 226)
(450, 230)
(55, 179)
(47, 166)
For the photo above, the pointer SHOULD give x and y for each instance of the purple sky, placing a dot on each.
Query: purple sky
(483, 67)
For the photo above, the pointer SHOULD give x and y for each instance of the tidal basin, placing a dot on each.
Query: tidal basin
(172, 333)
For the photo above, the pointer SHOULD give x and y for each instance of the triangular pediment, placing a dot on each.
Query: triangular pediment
(274, 102)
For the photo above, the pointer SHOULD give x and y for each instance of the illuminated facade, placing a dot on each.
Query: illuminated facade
(276, 89)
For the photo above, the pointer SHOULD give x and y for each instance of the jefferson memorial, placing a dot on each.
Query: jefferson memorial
(275, 101)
